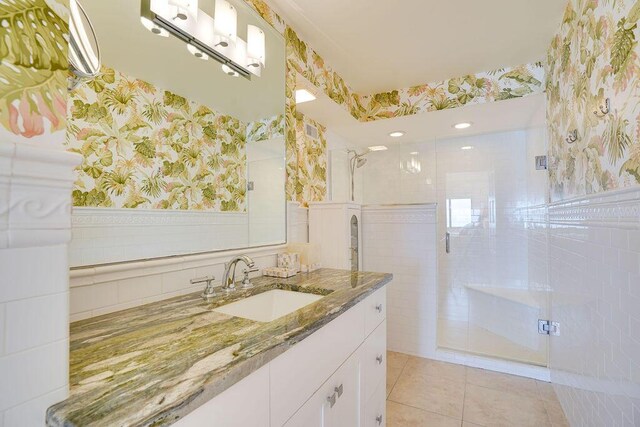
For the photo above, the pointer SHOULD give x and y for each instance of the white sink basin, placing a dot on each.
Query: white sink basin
(269, 305)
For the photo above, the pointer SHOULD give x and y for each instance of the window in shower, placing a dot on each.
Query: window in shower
(459, 212)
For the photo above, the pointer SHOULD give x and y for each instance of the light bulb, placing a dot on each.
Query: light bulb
(255, 46)
(229, 71)
(225, 22)
(197, 52)
(155, 29)
(183, 9)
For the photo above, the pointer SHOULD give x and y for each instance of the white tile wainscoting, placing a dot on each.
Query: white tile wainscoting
(102, 289)
(401, 239)
(106, 235)
(107, 288)
(35, 227)
(594, 275)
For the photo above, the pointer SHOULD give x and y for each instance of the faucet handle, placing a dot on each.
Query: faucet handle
(246, 283)
(204, 279)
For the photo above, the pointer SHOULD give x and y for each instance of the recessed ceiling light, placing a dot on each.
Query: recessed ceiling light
(303, 95)
(462, 125)
(396, 134)
(377, 148)
(467, 147)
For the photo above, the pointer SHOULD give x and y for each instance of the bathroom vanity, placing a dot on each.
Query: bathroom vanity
(185, 361)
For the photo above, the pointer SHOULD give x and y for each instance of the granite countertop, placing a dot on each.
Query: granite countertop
(153, 364)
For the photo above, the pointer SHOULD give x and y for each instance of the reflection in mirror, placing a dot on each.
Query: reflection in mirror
(172, 144)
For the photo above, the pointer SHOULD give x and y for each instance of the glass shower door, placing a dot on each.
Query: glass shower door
(486, 303)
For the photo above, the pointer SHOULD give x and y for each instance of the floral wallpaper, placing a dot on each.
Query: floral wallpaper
(311, 173)
(144, 147)
(302, 59)
(594, 56)
(261, 130)
(504, 83)
(33, 75)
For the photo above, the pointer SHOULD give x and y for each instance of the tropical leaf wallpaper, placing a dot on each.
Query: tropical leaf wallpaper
(505, 83)
(261, 130)
(145, 147)
(311, 171)
(497, 85)
(593, 57)
(33, 75)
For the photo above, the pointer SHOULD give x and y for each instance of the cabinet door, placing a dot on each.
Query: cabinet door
(375, 408)
(311, 414)
(346, 386)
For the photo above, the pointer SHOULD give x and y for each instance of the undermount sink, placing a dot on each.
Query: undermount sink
(268, 306)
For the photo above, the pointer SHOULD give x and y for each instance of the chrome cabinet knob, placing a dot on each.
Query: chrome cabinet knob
(339, 390)
(379, 359)
(379, 419)
(379, 308)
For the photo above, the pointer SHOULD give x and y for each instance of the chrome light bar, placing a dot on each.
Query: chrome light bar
(198, 33)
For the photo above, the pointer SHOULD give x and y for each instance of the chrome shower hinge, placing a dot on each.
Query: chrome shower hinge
(546, 327)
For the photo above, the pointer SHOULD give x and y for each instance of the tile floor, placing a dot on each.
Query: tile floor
(423, 392)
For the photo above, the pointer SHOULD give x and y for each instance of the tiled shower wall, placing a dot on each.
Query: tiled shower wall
(594, 273)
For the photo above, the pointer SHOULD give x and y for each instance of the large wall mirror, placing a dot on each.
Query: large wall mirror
(180, 157)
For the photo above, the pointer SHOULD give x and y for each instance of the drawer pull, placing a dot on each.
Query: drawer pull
(339, 390)
(379, 359)
(379, 308)
(332, 400)
(379, 419)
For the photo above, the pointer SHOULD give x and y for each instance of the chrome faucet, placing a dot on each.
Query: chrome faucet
(229, 277)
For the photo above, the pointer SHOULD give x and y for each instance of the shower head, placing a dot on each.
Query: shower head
(360, 162)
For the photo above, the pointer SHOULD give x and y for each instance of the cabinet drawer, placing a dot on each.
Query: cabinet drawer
(375, 307)
(373, 361)
(374, 413)
(296, 374)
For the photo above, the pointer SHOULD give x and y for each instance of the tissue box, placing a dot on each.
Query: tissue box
(281, 272)
(289, 260)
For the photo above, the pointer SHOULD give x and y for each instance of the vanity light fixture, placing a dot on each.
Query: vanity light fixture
(377, 148)
(462, 125)
(467, 147)
(414, 153)
(208, 36)
(197, 52)
(396, 134)
(303, 95)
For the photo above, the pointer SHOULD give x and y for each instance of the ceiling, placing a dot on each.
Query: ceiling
(165, 62)
(381, 45)
(513, 114)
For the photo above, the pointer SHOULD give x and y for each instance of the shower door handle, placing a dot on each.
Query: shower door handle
(447, 242)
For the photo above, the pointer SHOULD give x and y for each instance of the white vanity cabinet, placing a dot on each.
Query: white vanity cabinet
(336, 377)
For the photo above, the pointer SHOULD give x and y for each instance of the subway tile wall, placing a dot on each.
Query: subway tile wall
(401, 240)
(34, 333)
(594, 272)
(104, 235)
(104, 289)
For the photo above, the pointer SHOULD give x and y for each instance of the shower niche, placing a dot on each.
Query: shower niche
(337, 230)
